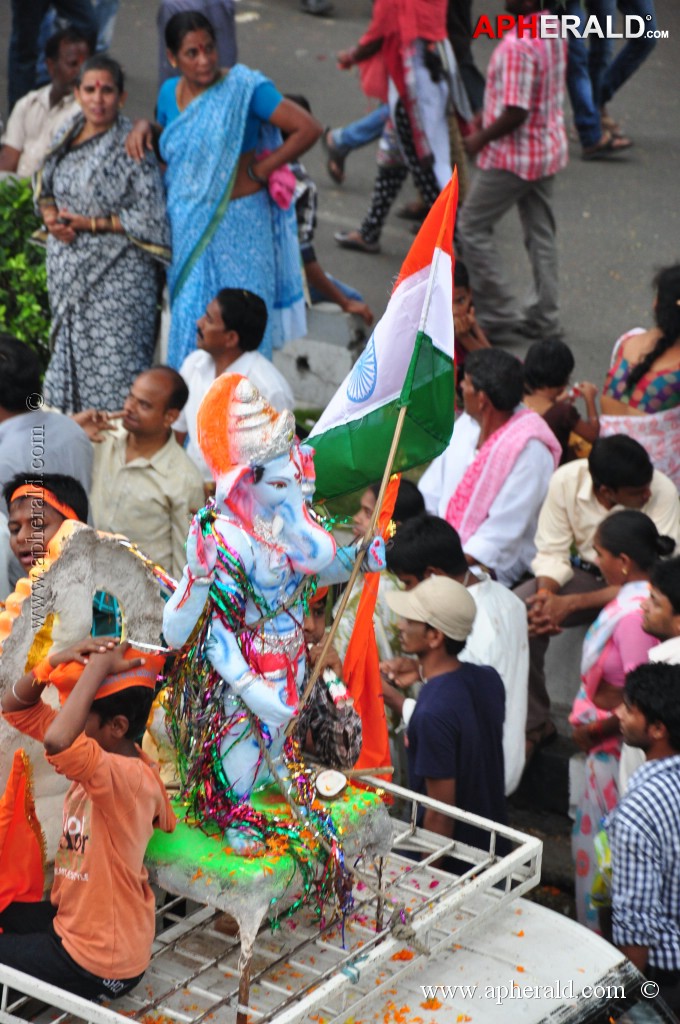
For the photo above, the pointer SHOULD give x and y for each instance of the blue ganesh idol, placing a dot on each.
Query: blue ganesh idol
(254, 557)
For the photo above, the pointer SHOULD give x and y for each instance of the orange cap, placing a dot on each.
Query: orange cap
(65, 676)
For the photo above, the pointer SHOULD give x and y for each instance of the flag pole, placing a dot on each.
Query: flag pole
(330, 636)
(370, 533)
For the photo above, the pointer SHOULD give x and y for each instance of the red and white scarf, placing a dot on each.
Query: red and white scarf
(478, 489)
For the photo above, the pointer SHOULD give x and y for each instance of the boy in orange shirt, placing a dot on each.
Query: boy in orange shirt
(93, 937)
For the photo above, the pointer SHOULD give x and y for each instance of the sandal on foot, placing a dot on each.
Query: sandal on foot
(355, 240)
(609, 124)
(609, 145)
(614, 128)
(335, 163)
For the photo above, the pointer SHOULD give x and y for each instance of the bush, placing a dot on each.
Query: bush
(24, 307)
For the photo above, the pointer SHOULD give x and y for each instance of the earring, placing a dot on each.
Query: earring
(625, 572)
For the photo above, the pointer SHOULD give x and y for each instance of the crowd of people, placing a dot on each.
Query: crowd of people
(544, 513)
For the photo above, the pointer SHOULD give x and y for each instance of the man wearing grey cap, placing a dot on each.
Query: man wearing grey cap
(455, 732)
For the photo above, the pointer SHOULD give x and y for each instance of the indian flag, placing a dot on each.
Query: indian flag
(408, 361)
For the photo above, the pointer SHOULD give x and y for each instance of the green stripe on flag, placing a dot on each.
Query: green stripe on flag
(354, 454)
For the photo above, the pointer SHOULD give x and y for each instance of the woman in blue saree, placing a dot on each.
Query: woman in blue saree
(220, 138)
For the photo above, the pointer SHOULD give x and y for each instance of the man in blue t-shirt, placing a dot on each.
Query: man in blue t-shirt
(455, 733)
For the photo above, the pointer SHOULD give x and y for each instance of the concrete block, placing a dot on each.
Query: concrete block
(316, 365)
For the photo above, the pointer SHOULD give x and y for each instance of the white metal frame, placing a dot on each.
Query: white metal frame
(302, 968)
(14, 1007)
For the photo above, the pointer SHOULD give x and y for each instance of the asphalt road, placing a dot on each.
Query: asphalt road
(618, 220)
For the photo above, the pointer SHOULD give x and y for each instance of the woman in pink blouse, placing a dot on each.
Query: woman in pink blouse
(641, 395)
(627, 545)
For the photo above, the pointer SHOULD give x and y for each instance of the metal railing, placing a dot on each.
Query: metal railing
(405, 905)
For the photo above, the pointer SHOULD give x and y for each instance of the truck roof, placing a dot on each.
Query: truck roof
(414, 930)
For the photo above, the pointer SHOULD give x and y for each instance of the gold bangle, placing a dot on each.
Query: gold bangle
(93, 225)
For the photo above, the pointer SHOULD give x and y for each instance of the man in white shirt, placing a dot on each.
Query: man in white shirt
(427, 546)
(38, 115)
(491, 481)
(144, 485)
(227, 337)
(568, 589)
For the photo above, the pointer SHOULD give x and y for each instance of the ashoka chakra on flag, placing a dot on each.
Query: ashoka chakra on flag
(364, 376)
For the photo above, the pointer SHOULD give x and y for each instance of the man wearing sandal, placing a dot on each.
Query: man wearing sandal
(520, 148)
(598, 140)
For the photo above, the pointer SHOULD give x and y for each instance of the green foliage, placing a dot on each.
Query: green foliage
(24, 307)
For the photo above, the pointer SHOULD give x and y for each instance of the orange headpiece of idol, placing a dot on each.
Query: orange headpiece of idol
(238, 429)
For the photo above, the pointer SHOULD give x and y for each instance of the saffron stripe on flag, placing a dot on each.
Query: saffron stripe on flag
(407, 361)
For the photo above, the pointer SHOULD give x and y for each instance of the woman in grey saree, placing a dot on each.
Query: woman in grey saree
(107, 238)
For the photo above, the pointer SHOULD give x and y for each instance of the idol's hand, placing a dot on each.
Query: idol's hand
(201, 551)
(374, 559)
(265, 698)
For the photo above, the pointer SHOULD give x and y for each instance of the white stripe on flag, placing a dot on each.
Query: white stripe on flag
(378, 375)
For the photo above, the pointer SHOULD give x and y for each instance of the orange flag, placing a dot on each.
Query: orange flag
(361, 669)
(22, 845)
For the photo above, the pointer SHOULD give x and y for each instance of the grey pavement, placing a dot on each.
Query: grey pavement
(618, 220)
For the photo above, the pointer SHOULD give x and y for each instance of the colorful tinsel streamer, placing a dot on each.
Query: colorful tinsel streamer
(201, 721)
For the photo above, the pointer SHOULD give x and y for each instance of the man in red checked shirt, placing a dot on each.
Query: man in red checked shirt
(522, 144)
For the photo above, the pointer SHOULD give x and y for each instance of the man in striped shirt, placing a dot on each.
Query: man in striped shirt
(644, 831)
(521, 146)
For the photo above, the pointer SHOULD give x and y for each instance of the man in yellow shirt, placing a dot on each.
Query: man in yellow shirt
(144, 484)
